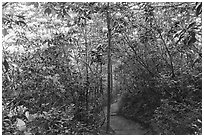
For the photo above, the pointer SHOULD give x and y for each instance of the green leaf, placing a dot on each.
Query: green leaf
(47, 11)
(29, 3)
(199, 9)
(89, 17)
(4, 20)
(59, 16)
(192, 40)
(36, 4)
(191, 24)
(10, 27)
(192, 33)
(21, 125)
(67, 16)
(6, 65)
(64, 11)
(177, 34)
(5, 32)
(21, 17)
(21, 23)
(44, 41)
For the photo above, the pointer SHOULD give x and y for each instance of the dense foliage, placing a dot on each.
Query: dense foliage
(55, 66)
(49, 90)
(165, 91)
(43, 83)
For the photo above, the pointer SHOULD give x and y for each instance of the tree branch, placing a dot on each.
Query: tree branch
(4, 4)
(139, 60)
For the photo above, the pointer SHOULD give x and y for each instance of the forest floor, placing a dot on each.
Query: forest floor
(123, 126)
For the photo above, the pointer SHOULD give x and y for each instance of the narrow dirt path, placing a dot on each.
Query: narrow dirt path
(123, 126)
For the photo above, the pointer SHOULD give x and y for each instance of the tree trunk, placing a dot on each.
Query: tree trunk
(87, 71)
(109, 71)
(101, 79)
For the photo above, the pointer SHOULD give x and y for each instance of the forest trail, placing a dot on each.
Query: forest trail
(123, 126)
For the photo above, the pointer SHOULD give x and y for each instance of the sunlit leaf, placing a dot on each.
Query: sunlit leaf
(55, 78)
(29, 116)
(21, 125)
(178, 33)
(14, 65)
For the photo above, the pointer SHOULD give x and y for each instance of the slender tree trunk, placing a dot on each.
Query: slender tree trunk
(109, 71)
(87, 71)
(101, 79)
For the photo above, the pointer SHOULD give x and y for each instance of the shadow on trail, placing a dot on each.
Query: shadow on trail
(123, 126)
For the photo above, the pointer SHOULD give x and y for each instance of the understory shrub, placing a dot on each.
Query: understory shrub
(50, 91)
(173, 107)
(139, 106)
(180, 112)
